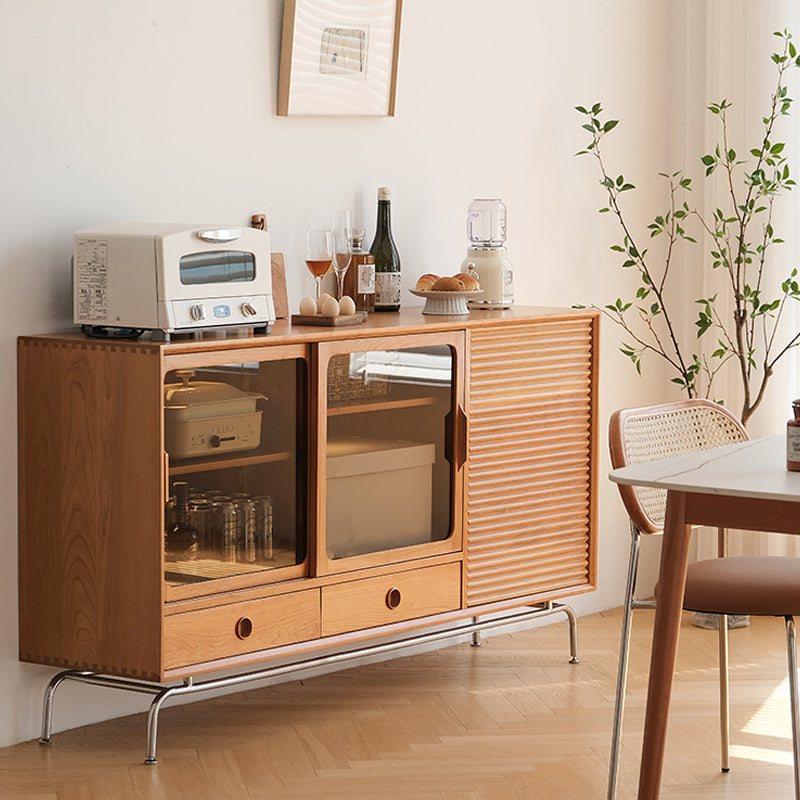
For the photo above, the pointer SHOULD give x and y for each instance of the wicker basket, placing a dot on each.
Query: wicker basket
(343, 389)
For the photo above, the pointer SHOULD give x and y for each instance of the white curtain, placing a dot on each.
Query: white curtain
(737, 40)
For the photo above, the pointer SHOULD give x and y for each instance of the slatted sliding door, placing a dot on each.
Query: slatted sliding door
(530, 515)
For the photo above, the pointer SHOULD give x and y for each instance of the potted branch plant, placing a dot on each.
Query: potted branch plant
(744, 311)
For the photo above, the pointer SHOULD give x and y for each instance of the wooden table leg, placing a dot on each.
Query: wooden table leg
(672, 580)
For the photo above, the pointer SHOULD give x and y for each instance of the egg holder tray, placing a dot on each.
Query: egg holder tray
(331, 322)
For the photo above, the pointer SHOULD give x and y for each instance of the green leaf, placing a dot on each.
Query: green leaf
(610, 125)
(708, 160)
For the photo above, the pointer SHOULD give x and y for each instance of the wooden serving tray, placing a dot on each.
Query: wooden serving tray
(330, 322)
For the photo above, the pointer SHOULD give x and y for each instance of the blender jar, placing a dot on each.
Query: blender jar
(486, 223)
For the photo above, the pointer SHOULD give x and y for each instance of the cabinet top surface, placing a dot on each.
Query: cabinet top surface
(407, 320)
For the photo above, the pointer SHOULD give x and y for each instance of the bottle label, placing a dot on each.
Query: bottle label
(387, 289)
(793, 444)
(366, 279)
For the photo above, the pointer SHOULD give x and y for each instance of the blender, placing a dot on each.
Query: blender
(486, 256)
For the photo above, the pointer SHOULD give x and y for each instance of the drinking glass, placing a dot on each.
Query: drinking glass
(319, 255)
(343, 248)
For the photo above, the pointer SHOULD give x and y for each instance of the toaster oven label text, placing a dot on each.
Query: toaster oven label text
(91, 279)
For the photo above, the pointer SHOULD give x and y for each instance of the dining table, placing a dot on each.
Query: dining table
(741, 486)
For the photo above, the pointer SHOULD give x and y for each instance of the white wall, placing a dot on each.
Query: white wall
(165, 111)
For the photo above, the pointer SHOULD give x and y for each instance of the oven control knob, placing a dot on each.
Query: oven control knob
(248, 310)
(197, 312)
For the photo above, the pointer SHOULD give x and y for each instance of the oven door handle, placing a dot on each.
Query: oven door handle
(220, 236)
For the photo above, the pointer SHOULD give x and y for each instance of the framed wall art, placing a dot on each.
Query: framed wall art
(339, 57)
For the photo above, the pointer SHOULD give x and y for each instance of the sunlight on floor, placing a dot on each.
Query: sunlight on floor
(761, 754)
(773, 718)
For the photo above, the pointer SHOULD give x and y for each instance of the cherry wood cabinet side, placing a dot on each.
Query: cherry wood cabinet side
(91, 500)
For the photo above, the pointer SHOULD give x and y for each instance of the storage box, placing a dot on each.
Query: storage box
(379, 495)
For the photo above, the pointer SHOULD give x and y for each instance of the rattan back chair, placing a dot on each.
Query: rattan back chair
(765, 585)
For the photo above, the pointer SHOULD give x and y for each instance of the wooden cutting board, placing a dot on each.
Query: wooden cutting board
(330, 322)
(279, 297)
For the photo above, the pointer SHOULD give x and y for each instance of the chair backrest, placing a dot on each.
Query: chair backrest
(639, 435)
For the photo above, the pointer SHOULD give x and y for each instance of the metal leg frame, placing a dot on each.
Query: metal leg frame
(724, 676)
(624, 653)
(724, 697)
(162, 693)
(791, 649)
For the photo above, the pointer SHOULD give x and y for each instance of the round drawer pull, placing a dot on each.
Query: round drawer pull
(244, 627)
(393, 598)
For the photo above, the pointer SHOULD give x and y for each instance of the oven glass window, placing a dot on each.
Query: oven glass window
(219, 266)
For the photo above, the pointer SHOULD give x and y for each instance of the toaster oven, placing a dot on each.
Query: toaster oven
(171, 278)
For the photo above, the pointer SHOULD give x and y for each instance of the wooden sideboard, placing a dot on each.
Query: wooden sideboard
(479, 496)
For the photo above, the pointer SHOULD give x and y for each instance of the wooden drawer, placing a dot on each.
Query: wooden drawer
(236, 628)
(392, 598)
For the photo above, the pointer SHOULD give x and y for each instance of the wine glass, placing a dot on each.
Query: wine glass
(319, 256)
(343, 248)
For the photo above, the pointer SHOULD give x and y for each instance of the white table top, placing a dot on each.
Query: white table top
(748, 469)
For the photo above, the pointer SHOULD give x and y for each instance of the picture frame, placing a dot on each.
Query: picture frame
(339, 58)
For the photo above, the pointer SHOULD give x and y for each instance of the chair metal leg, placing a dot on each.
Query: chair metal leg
(622, 672)
(791, 648)
(724, 697)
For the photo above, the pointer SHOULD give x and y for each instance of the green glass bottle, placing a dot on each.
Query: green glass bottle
(387, 259)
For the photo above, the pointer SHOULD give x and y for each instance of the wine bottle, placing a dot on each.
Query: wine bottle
(182, 541)
(359, 280)
(387, 260)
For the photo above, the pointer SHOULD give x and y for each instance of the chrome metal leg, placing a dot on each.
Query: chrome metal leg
(724, 673)
(791, 648)
(572, 619)
(47, 707)
(477, 639)
(724, 697)
(152, 725)
(161, 693)
(622, 672)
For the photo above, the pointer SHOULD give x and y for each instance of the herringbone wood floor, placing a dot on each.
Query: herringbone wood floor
(511, 720)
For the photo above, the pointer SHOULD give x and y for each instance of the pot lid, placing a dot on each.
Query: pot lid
(190, 392)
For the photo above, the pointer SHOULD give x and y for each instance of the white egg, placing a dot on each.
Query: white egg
(347, 306)
(308, 306)
(321, 300)
(329, 307)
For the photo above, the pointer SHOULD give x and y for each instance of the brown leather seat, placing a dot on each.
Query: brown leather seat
(754, 585)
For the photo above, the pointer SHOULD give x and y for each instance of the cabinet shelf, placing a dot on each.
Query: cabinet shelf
(204, 569)
(206, 465)
(381, 405)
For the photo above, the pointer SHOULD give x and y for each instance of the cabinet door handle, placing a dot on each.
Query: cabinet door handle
(455, 440)
(244, 627)
(462, 424)
(393, 598)
(166, 477)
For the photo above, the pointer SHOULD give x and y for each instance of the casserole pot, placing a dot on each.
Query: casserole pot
(208, 417)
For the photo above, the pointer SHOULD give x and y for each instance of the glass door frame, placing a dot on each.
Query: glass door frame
(455, 440)
(241, 355)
